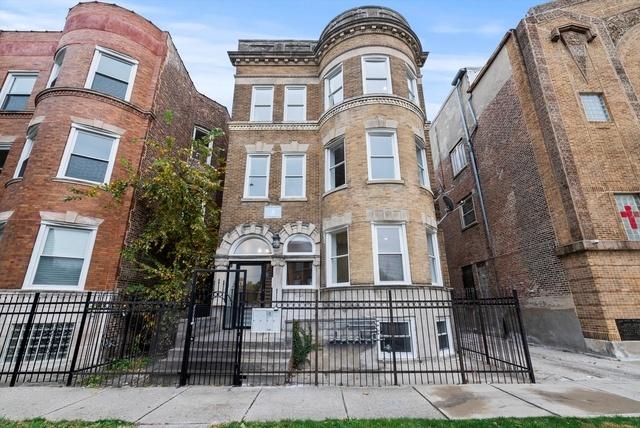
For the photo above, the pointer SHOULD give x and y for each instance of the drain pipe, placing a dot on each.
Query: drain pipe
(474, 166)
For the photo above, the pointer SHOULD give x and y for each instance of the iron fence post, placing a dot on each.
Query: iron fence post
(393, 339)
(25, 339)
(125, 337)
(184, 370)
(76, 351)
(316, 335)
(483, 329)
(523, 335)
(455, 308)
(237, 369)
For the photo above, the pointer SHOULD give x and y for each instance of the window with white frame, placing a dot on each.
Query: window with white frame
(434, 257)
(17, 90)
(46, 341)
(295, 103)
(421, 158)
(4, 152)
(256, 183)
(594, 107)
(467, 212)
(458, 158)
(382, 148)
(396, 337)
(628, 205)
(61, 257)
(337, 243)
(55, 70)
(333, 89)
(262, 104)
(293, 175)
(89, 155)
(376, 75)
(412, 83)
(298, 267)
(112, 73)
(443, 330)
(391, 260)
(335, 175)
(26, 152)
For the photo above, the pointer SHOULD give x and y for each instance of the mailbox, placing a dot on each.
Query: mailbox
(265, 320)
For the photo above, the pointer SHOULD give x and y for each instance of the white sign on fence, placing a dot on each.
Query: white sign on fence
(265, 320)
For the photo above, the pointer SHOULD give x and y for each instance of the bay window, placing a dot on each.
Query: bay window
(112, 73)
(382, 150)
(337, 243)
(333, 87)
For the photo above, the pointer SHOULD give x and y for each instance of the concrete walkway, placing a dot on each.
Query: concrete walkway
(204, 406)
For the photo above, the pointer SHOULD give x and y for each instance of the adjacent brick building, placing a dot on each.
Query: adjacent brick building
(537, 159)
(74, 106)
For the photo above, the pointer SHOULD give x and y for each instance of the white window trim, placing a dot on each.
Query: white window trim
(364, 77)
(423, 154)
(404, 251)
(414, 85)
(387, 356)
(99, 51)
(11, 77)
(396, 157)
(55, 69)
(458, 146)
(284, 174)
(299, 287)
(475, 214)
(27, 149)
(246, 176)
(253, 99)
(68, 151)
(447, 320)
(328, 245)
(37, 251)
(332, 73)
(5, 147)
(327, 164)
(436, 249)
(286, 102)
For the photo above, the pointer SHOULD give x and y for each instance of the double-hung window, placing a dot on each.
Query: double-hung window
(391, 260)
(256, 183)
(299, 251)
(594, 107)
(293, 175)
(412, 83)
(443, 331)
(382, 149)
(4, 152)
(26, 152)
(262, 104)
(421, 158)
(434, 257)
(337, 243)
(396, 337)
(376, 75)
(55, 71)
(333, 87)
(112, 73)
(458, 158)
(89, 155)
(467, 212)
(61, 257)
(295, 103)
(17, 90)
(335, 175)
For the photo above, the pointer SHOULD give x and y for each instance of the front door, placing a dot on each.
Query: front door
(255, 291)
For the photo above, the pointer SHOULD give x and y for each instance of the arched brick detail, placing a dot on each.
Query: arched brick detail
(301, 228)
(242, 231)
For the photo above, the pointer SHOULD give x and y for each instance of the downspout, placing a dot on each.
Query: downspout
(474, 165)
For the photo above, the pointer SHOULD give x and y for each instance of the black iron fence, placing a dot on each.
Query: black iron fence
(359, 336)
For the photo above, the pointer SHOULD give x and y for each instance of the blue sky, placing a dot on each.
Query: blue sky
(456, 33)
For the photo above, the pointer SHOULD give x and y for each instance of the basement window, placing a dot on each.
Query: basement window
(17, 90)
(112, 73)
(47, 341)
(396, 337)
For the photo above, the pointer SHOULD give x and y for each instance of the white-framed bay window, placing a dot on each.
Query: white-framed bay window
(55, 70)
(412, 84)
(433, 252)
(299, 271)
(256, 181)
(26, 152)
(335, 165)
(390, 254)
(382, 155)
(294, 171)
(376, 74)
(295, 103)
(89, 155)
(17, 89)
(261, 104)
(61, 257)
(112, 73)
(421, 159)
(337, 257)
(333, 87)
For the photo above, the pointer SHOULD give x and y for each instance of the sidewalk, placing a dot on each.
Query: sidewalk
(202, 406)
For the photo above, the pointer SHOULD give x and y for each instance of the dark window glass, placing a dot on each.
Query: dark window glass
(109, 85)
(3, 157)
(300, 273)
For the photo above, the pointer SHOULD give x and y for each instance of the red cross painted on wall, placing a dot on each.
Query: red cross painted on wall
(631, 215)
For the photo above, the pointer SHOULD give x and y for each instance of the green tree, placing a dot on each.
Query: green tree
(176, 192)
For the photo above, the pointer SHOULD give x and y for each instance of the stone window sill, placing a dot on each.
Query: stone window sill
(254, 200)
(335, 190)
(293, 199)
(75, 182)
(12, 181)
(385, 181)
(469, 226)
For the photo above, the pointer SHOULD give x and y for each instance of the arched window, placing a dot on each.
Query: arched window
(299, 245)
(299, 272)
(252, 246)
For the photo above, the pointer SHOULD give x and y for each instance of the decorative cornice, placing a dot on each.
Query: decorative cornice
(268, 126)
(90, 94)
(16, 114)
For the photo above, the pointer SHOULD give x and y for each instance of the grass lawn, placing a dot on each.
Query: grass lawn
(41, 423)
(549, 422)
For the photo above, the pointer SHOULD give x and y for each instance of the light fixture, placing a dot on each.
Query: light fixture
(276, 241)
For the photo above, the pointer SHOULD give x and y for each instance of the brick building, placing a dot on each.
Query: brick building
(537, 159)
(74, 105)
